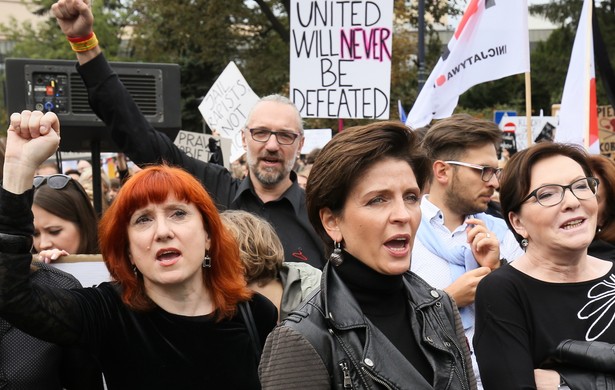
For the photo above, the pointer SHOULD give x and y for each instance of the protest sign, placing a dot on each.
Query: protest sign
(606, 126)
(315, 139)
(226, 107)
(509, 141)
(340, 58)
(90, 270)
(196, 145)
(543, 128)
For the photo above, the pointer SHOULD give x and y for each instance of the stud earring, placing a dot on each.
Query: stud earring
(525, 243)
(336, 257)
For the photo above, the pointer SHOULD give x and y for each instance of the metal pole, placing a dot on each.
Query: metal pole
(421, 46)
(96, 179)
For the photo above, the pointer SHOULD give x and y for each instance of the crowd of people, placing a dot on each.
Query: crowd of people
(391, 258)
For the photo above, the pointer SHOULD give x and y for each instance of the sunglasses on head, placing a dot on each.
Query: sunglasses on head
(57, 181)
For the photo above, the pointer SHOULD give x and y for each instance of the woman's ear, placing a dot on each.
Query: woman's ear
(517, 224)
(330, 223)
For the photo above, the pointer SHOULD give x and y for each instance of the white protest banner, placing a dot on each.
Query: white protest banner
(340, 58)
(90, 270)
(315, 139)
(226, 106)
(490, 42)
(578, 112)
(543, 128)
(197, 145)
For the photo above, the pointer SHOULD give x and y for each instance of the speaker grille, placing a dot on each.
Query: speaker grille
(78, 95)
(142, 88)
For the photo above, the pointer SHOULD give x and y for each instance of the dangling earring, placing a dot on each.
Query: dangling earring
(207, 260)
(525, 243)
(135, 270)
(336, 257)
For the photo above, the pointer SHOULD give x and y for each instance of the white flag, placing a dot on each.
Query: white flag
(578, 115)
(490, 42)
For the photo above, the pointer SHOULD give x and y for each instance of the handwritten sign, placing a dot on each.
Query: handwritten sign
(315, 139)
(606, 125)
(197, 145)
(226, 106)
(340, 58)
(543, 128)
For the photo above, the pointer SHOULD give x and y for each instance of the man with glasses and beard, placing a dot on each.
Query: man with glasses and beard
(457, 243)
(272, 137)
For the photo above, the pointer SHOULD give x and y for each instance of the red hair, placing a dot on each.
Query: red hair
(224, 279)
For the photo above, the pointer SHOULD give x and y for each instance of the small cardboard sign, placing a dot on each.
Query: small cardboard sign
(227, 105)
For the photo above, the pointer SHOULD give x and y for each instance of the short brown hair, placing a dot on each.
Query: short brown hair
(450, 138)
(516, 177)
(260, 248)
(348, 155)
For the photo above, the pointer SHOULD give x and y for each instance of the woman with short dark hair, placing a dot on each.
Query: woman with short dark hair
(373, 324)
(526, 313)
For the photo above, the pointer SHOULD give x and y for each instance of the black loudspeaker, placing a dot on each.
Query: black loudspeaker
(55, 85)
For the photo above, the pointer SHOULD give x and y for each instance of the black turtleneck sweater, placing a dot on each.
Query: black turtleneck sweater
(384, 302)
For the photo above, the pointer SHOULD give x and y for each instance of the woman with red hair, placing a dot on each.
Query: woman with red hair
(178, 313)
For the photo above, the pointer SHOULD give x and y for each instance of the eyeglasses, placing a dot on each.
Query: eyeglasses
(486, 173)
(57, 181)
(553, 194)
(283, 137)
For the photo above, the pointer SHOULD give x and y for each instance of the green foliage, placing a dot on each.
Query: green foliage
(203, 36)
(46, 41)
(559, 12)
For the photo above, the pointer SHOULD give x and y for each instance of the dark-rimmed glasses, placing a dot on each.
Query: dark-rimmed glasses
(486, 173)
(552, 194)
(57, 181)
(283, 137)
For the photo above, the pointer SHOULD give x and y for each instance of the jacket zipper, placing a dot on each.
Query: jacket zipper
(462, 374)
(346, 374)
(376, 379)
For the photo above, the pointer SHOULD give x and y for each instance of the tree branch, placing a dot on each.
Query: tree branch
(275, 23)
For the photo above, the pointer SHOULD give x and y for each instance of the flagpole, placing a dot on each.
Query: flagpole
(587, 92)
(528, 107)
(421, 46)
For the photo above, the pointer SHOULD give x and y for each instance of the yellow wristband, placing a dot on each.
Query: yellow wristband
(85, 45)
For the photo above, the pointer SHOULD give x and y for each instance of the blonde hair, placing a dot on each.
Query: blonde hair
(260, 248)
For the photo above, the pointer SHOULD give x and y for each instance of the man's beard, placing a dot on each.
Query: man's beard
(270, 176)
(454, 199)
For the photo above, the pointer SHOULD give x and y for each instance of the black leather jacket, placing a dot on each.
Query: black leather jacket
(329, 343)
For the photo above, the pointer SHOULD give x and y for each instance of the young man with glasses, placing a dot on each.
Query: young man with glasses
(271, 188)
(457, 243)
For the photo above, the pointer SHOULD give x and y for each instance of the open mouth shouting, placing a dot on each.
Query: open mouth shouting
(398, 245)
(168, 256)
